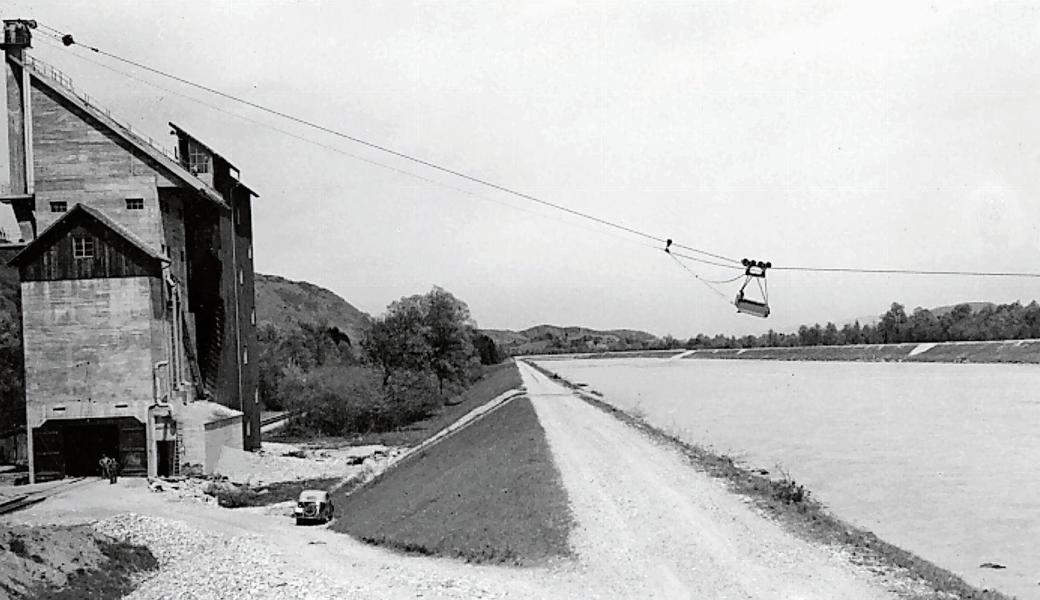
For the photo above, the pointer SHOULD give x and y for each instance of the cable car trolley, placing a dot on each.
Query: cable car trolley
(754, 270)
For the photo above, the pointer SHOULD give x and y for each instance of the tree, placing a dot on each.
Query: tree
(449, 330)
(397, 340)
(486, 349)
(893, 324)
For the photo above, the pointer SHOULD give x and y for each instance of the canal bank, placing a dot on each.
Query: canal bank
(746, 416)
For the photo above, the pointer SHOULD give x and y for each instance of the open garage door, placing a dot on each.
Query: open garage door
(73, 447)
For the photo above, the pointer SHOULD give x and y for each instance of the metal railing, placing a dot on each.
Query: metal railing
(56, 75)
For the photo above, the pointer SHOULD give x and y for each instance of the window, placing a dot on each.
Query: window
(82, 247)
(198, 159)
(250, 252)
(59, 206)
(241, 277)
(245, 356)
(247, 429)
(256, 396)
(134, 203)
(182, 255)
(252, 317)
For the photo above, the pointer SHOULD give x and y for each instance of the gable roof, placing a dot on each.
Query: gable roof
(169, 165)
(47, 235)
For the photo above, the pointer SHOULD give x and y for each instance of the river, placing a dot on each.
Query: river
(940, 459)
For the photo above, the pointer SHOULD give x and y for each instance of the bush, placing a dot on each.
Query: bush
(339, 401)
(789, 491)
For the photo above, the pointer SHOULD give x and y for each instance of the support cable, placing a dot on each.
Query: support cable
(68, 40)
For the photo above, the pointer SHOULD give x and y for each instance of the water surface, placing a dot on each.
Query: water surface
(940, 459)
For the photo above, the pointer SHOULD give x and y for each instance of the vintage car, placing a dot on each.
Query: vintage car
(313, 506)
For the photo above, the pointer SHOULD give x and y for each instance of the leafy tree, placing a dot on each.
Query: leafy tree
(486, 349)
(449, 333)
(398, 340)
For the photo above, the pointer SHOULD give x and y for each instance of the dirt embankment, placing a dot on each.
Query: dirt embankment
(58, 562)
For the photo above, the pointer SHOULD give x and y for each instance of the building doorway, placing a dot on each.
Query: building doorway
(72, 447)
(85, 443)
(166, 454)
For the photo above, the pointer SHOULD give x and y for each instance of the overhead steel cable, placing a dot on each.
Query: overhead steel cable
(380, 164)
(908, 272)
(68, 40)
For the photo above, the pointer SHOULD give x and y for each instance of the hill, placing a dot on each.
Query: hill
(284, 303)
(552, 338)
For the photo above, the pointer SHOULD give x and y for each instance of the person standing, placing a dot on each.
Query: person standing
(113, 470)
(103, 463)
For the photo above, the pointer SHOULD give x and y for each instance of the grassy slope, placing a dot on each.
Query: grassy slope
(807, 518)
(489, 493)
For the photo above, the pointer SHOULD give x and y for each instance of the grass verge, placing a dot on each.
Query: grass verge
(489, 493)
(792, 506)
(496, 380)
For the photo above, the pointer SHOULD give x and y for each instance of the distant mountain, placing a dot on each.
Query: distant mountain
(283, 303)
(552, 338)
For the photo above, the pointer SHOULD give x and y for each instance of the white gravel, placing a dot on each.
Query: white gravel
(200, 565)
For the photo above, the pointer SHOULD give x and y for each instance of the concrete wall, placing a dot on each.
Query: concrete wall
(77, 159)
(220, 434)
(89, 347)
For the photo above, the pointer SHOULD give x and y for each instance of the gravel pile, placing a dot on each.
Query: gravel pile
(199, 565)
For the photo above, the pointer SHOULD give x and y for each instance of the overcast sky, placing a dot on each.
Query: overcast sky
(898, 135)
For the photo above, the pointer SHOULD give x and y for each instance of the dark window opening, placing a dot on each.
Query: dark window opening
(82, 247)
(59, 206)
(135, 203)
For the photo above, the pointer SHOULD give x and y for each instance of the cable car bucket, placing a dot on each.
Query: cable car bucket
(754, 271)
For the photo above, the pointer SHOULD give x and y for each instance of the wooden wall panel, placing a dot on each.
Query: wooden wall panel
(113, 257)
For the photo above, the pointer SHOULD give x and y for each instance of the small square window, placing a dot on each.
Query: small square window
(134, 203)
(59, 206)
(82, 247)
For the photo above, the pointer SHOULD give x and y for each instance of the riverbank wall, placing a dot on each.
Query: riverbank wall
(998, 351)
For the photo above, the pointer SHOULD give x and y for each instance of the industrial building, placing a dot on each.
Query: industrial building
(136, 277)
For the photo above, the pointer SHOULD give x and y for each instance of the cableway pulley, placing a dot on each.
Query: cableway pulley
(754, 270)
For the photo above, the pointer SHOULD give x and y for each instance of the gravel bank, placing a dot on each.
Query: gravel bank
(200, 565)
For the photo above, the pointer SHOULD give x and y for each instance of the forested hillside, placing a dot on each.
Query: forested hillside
(287, 304)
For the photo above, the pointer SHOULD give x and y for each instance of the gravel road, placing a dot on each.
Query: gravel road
(650, 526)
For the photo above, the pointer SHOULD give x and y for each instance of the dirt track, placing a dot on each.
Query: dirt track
(648, 526)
